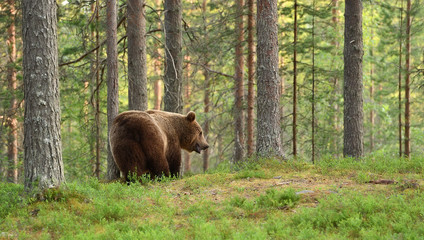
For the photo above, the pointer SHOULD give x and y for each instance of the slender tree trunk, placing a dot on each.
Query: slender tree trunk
(173, 56)
(206, 122)
(250, 77)
(206, 100)
(353, 100)
(295, 81)
(313, 84)
(157, 86)
(407, 79)
(137, 66)
(400, 80)
(372, 117)
(42, 140)
(112, 79)
(187, 157)
(239, 89)
(97, 104)
(12, 149)
(268, 81)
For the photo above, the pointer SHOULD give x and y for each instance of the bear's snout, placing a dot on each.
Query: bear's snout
(199, 148)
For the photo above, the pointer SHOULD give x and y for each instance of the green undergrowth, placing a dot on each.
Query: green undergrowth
(374, 198)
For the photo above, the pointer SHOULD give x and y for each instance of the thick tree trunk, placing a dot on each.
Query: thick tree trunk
(112, 79)
(407, 79)
(250, 81)
(12, 148)
(173, 56)
(137, 66)
(353, 87)
(42, 140)
(268, 81)
(239, 89)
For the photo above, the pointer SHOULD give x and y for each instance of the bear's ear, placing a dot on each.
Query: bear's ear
(191, 116)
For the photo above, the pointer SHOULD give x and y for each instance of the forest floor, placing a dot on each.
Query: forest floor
(377, 198)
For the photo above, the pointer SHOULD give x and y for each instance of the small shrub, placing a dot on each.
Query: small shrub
(278, 199)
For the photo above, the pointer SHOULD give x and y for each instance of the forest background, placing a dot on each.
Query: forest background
(209, 43)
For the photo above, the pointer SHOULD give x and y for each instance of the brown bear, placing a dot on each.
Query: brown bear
(151, 141)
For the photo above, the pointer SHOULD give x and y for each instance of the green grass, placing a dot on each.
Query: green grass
(255, 200)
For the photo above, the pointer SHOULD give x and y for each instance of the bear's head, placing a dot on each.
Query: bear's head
(193, 139)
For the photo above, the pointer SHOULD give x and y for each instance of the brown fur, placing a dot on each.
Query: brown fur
(151, 141)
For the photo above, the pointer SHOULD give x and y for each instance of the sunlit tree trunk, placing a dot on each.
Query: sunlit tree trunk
(12, 148)
(137, 66)
(407, 79)
(173, 56)
(42, 140)
(112, 79)
(239, 88)
(268, 81)
(250, 77)
(353, 86)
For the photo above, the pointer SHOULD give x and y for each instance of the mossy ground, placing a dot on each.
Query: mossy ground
(377, 198)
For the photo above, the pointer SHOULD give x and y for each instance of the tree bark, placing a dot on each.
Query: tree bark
(173, 56)
(250, 81)
(137, 66)
(353, 86)
(12, 149)
(407, 79)
(268, 81)
(239, 89)
(42, 140)
(112, 79)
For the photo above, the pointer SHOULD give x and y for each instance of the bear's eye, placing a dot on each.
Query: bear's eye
(200, 134)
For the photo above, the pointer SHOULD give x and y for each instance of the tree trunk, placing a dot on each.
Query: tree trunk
(206, 100)
(250, 81)
(295, 81)
(400, 81)
(239, 89)
(42, 140)
(12, 149)
(313, 84)
(407, 79)
(353, 100)
(97, 89)
(187, 157)
(206, 122)
(137, 66)
(268, 81)
(173, 56)
(112, 80)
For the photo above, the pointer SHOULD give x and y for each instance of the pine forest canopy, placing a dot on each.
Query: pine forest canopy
(211, 44)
